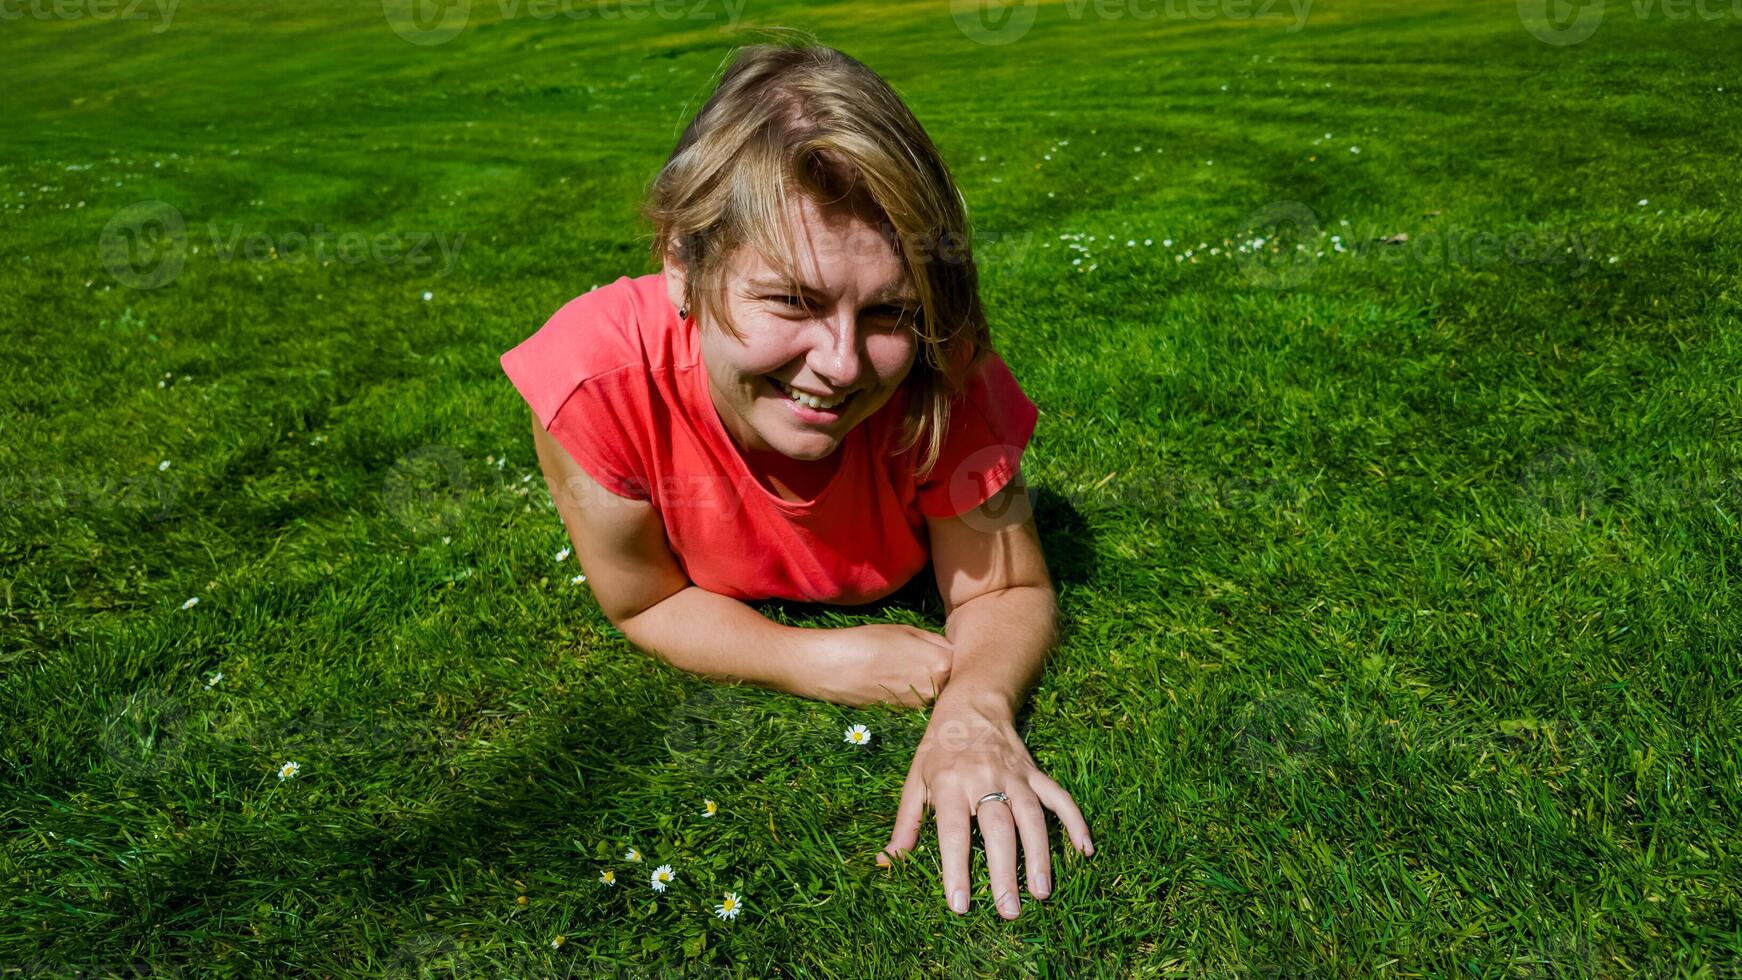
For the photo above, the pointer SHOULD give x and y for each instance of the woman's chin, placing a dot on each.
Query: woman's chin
(807, 450)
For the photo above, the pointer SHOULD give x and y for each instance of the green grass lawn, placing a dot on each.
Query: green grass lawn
(1399, 583)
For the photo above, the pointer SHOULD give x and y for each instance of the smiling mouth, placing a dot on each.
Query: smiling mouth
(839, 406)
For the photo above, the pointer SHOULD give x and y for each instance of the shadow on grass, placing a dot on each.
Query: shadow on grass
(1065, 538)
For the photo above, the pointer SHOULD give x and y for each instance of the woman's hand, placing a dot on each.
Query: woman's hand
(964, 755)
(881, 663)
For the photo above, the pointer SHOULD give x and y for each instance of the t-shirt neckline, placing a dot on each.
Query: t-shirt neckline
(698, 371)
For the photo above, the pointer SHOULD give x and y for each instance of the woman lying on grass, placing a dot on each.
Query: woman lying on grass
(804, 404)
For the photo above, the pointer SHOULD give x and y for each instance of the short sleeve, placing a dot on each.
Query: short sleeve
(990, 425)
(578, 374)
(594, 426)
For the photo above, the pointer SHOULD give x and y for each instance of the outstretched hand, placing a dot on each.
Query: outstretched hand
(964, 755)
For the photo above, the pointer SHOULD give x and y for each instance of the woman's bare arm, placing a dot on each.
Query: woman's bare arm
(641, 589)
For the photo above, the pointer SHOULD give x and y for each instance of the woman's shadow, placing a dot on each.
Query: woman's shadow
(1064, 537)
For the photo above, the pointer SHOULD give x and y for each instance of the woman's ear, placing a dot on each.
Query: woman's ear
(674, 281)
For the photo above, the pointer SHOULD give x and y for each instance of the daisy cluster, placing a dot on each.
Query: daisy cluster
(1086, 253)
(664, 876)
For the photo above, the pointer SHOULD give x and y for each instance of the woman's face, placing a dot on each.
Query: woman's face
(840, 331)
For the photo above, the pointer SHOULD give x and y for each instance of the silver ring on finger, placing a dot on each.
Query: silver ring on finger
(1003, 798)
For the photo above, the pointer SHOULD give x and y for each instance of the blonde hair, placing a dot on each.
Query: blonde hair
(799, 112)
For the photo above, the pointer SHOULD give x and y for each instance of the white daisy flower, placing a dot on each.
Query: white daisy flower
(1643, 202)
(709, 808)
(165, 464)
(662, 876)
(288, 771)
(608, 877)
(564, 553)
(557, 943)
(192, 602)
(729, 907)
(632, 855)
(577, 580)
(857, 735)
(427, 296)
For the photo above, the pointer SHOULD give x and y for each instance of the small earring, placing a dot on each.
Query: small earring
(683, 312)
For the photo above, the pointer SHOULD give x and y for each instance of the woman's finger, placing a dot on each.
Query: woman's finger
(952, 816)
(1060, 802)
(998, 835)
(1036, 850)
(909, 817)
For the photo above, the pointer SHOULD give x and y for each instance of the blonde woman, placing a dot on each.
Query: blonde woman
(804, 403)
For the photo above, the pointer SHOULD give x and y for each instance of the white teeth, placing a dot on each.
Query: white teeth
(808, 400)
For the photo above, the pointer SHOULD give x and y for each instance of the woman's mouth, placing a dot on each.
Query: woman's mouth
(809, 409)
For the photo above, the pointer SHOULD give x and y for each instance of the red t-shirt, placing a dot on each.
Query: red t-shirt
(618, 380)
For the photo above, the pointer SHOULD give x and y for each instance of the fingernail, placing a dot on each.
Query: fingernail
(883, 860)
(1008, 905)
(959, 901)
(1041, 885)
(1089, 848)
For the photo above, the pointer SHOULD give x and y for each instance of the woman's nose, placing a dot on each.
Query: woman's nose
(836, 357)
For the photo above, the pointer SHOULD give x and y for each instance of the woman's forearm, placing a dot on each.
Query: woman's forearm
(722, 638)
(1001, 641)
